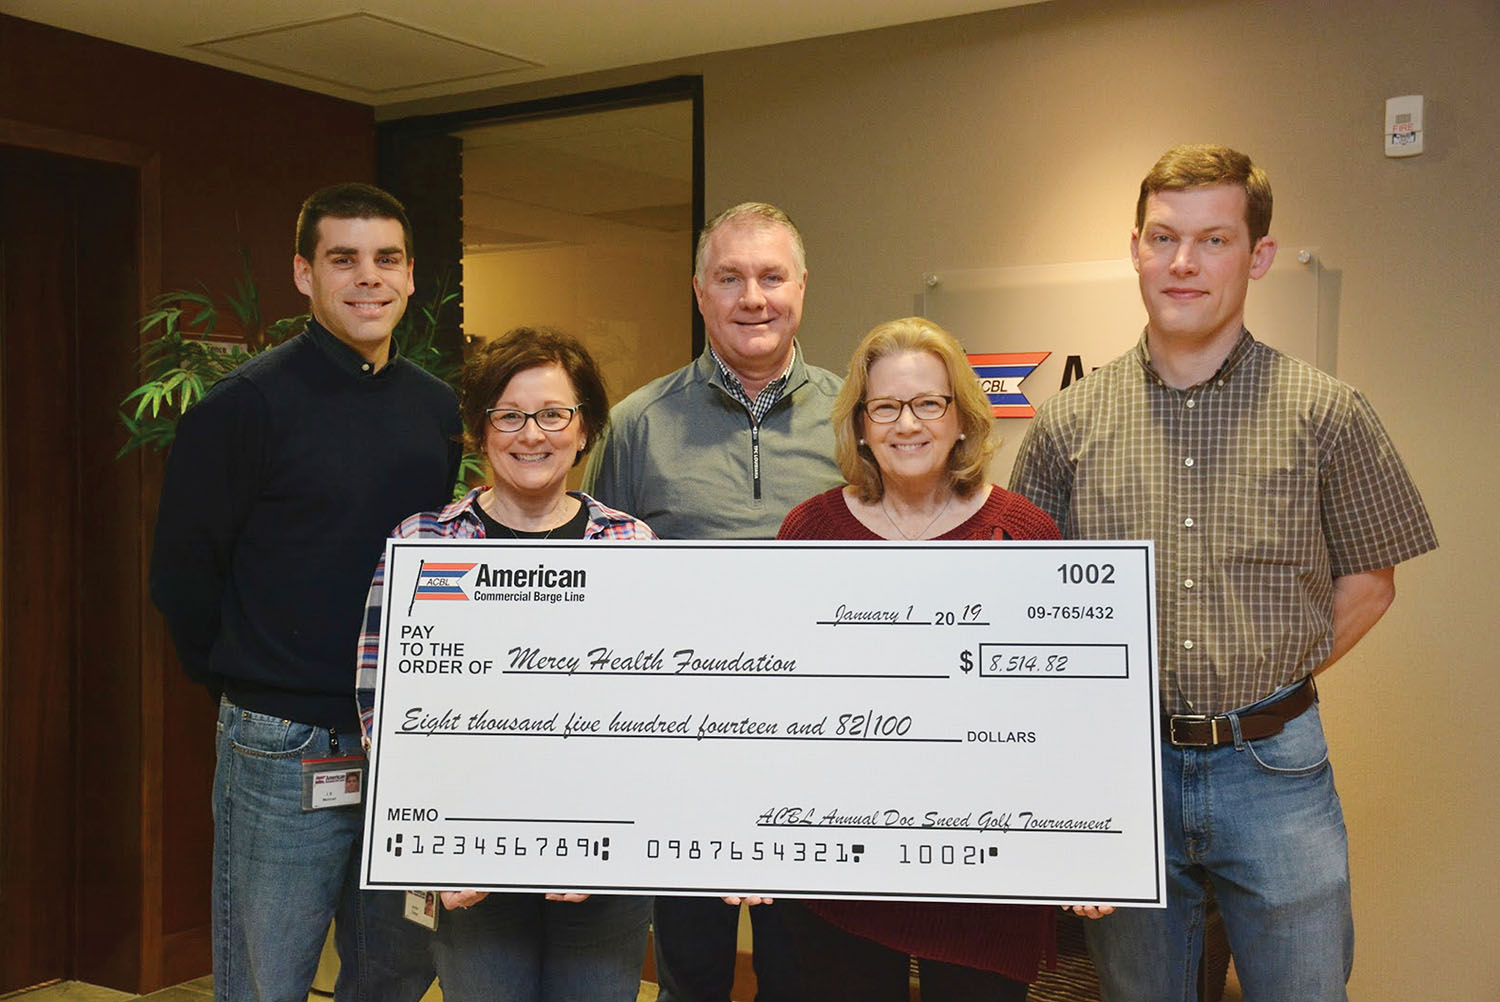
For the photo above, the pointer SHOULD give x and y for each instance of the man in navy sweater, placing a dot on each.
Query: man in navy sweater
(281, 488)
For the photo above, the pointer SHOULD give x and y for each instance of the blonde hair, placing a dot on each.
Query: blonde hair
(968, 463)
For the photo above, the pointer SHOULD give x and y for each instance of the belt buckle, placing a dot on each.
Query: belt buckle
(1193, 718)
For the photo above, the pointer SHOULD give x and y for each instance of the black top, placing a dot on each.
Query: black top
(573, 528)
(280, 490)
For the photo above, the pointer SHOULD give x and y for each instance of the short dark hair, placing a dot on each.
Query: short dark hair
(348, 200)
(1205, 165)
(490, 369)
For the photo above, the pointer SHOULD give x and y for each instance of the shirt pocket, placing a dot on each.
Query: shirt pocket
(1273, 509)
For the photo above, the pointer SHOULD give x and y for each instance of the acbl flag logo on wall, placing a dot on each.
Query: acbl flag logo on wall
(1000, 375)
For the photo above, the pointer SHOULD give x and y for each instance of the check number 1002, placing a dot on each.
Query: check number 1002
(1094, 574)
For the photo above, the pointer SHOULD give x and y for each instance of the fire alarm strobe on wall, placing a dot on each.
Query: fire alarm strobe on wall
(1403, 126)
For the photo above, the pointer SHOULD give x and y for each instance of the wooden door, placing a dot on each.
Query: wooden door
(70, 747)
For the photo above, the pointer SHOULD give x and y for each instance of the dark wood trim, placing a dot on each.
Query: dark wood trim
(699, 216)
(152, 652)
(153, 635)
(72, 144)
(181, 955)
(4, 555)
(663, 91)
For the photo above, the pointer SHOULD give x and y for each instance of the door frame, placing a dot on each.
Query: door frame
(89, 950)
(392, 137)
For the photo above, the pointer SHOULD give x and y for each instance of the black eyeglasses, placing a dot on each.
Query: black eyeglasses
(887, 410)
(508, 419)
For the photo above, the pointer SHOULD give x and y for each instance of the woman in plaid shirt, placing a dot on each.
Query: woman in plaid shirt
(533, 402)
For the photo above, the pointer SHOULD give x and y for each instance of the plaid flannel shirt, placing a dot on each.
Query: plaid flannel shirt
(459, 520)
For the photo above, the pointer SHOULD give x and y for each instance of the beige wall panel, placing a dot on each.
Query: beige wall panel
(630, 311)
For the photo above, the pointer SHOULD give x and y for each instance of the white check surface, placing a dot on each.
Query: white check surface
(964, 721)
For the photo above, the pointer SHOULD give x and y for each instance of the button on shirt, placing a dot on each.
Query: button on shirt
(1259, 485)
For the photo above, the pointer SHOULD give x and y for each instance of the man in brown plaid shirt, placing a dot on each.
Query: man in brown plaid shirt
(1280, 509)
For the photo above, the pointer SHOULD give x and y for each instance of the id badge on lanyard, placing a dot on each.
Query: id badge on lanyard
(422, 908)
(334, 780)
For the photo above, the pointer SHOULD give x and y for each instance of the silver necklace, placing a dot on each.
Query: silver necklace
(922, 533)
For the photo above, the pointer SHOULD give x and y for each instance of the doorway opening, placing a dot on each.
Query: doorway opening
(577, 212)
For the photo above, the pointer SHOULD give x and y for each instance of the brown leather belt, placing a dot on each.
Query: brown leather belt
(1187, 730)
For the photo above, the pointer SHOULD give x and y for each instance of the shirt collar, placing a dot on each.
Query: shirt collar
(775, 387)
(346, 358)
(1231, 361)
(464, 505)
(468, 507)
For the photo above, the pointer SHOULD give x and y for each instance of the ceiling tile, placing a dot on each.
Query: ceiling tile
(371, 53)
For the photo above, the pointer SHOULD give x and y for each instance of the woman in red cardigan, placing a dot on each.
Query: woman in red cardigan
(914, 442)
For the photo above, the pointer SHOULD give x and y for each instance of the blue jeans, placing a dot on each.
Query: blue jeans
(1260, 822)
(282, 874)
(524, 948)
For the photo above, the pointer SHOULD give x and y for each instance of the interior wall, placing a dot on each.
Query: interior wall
(238, 154)
(1020, 136)
(632, 313)
(235, 157)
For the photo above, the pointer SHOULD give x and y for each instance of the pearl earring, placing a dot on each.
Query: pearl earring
(861, 441)
(962, 437)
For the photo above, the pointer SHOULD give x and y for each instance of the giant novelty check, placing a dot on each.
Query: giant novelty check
(964, 721)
